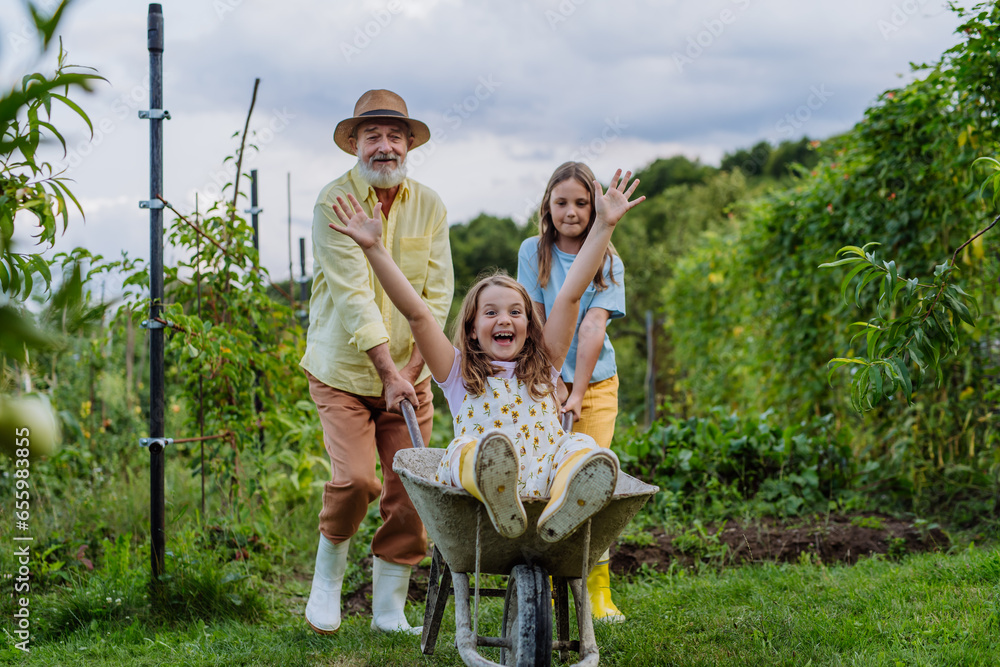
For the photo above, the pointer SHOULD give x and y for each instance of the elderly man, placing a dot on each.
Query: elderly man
(361, 360)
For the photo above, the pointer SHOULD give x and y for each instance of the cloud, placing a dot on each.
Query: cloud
(509, 89)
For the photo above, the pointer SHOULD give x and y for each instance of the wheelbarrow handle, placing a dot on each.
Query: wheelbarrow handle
(411, 423)
(567, 421)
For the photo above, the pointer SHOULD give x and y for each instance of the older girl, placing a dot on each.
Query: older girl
(589, 380)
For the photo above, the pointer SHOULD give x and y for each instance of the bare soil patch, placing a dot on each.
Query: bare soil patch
(833, 539)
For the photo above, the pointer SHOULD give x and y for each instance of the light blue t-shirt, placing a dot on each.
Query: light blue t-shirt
(611, 299)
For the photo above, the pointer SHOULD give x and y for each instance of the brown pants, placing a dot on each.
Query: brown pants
(356, 429)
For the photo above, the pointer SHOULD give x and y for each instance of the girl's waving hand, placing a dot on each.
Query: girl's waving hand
(366, 231)
(614, 203)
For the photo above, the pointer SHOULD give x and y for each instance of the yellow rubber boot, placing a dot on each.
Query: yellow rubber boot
(488, 470)
(467, 471)
(599, 590)
(581, 487)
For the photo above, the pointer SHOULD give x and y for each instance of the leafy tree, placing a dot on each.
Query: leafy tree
(902, 178)
(655, 236)
(750, 161)
(666, 172)
(33, 195)
(764, 161)
(31, 192)
(788, 154)
(485, 242)
(232, 357)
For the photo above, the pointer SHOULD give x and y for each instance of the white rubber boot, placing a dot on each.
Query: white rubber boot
(323, 608)
(390, 582)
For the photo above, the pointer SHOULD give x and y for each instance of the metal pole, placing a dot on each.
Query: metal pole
(650, 371)
(258, 402)
(157, 505)
(254, 210)
(201, 386)
(291, 274)
(302, 278)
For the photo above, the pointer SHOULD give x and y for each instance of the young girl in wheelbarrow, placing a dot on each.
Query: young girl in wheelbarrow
(499, 379)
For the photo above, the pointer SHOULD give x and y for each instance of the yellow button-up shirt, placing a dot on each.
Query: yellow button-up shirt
(349, 312)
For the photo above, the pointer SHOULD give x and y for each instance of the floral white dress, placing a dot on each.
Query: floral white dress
(533, 426)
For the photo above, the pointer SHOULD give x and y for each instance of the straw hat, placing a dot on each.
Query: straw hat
(380, 105)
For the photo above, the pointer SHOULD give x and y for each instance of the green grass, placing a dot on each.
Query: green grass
(931, 609)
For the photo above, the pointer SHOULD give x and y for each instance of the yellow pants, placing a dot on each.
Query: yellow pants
(599, 411)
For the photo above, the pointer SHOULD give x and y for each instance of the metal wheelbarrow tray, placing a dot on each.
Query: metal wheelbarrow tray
(466, 542)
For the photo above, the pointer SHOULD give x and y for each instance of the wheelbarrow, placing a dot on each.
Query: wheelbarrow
(465, 542)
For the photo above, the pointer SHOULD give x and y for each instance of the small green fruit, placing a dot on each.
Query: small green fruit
(28, 422)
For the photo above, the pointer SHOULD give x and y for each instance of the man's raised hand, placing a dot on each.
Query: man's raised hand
(614, 204)
(366, 231)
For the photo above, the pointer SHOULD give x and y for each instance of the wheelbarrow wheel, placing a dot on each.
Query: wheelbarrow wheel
(527, 618)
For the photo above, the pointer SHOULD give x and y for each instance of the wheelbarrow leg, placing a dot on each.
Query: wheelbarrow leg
(560, 594)
(438, 590)
(589, 654)
(465, 639)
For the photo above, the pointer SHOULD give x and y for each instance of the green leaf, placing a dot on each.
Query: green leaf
(29, 282)
(850, 276)
(874, 275)
(52, 129)
(904, 377)
(841, 262)
(959, 309)
(75, 107)
(891, 266)
(876, 372)
(873, 337)
(900, 286)
(841, 362)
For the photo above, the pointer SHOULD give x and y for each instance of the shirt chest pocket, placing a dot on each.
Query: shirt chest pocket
(414, 256)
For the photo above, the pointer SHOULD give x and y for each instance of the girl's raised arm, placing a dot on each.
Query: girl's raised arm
(610, 207)
(366, 231)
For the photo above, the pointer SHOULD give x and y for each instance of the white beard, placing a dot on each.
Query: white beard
(382, 179)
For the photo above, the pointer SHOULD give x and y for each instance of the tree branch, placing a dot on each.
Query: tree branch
(974, 237)
(194, 226)
(239, 158)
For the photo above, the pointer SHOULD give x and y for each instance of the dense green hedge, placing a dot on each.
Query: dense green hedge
(754, 322)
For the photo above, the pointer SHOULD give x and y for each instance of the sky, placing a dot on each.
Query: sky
(509, 89)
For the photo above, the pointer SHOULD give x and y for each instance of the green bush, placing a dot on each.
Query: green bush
(717, 466)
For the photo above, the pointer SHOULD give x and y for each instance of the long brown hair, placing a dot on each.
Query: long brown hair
(532, 364)
(547, 230)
